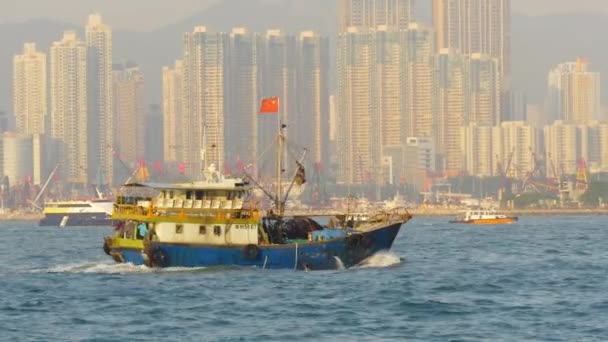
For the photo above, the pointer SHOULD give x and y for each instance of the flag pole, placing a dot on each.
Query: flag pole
(279, 152)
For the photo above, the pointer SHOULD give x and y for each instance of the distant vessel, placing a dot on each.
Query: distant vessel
(96, 212)
(484, 217)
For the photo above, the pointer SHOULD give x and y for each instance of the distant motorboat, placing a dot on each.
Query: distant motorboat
(97, 212)
(484, 217)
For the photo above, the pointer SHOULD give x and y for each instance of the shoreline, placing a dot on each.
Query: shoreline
(436, 212)
(515, 212)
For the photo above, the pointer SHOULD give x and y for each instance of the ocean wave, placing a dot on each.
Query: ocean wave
(380, 260)
(93, 267)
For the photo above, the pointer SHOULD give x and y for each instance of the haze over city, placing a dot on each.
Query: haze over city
(511, 80)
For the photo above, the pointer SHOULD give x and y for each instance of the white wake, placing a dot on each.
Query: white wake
(92, 267)
(381, 259)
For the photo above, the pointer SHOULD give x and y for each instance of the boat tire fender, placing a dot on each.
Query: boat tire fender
(159, 258)
(251, 252)
(106, 248)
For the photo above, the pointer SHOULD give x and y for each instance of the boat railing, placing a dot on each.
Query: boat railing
(149, 209)
(390, 216)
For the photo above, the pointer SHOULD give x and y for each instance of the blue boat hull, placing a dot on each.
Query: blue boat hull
(323, 255)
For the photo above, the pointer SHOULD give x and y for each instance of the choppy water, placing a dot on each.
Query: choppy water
(540, 279)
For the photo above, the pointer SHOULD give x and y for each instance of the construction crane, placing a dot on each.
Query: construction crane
(536, 171)
(582, 183)
(504, 175)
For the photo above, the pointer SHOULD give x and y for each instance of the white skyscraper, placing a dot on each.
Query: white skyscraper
(451, 107)
(29, 90)
(173, 93)
(100, 108)
(514, 146)
(478, 27)
(69, 107)
(574, 93)
(128, 88)
(203, 106)
(242, 74)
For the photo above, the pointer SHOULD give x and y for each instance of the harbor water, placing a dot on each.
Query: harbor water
(541, 279)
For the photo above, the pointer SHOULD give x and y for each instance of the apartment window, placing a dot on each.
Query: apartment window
(202, 230)
(179, 229)
(217, 230)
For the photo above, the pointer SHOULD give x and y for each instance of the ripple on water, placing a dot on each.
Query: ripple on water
(539, 279)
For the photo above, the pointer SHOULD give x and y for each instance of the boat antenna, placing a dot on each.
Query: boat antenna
(204, 151)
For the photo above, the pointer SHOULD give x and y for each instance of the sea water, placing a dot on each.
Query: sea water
(543, 278)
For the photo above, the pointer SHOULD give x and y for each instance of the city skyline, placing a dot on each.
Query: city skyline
(401, 91)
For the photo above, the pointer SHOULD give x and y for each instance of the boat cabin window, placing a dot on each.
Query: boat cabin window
(202, 230)
(217, 230)
(162, 194)
(171, 194)
(179, 229)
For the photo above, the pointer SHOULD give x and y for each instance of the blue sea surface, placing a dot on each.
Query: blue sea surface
(541, 279)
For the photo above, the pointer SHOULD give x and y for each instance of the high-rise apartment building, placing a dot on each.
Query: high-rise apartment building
(277, 79)
(129, 111)
(202, 131)
(100, 109)
(386, 87)
(419, 87)
(69, 121)
(29, 90)
(484, 91)
(173, 97)
(597, 142)
(478, 27)
(358, 129)
(477, 147)
(17, 157)
(373, 13)
(242, 98)
(574, 93)
(310, 119)
(451, 107)
(514, 146)
(564, 146)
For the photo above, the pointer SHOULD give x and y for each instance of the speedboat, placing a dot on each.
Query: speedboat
(95, 212)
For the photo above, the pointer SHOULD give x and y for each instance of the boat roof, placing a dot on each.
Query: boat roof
(225, 184)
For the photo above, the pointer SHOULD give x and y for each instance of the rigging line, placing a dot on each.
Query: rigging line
(295, 174)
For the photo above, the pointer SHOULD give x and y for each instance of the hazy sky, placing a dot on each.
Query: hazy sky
(150, 14)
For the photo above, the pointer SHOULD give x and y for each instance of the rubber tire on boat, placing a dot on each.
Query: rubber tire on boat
(251, 252)
(353, 241)
(106, 248)
(159, 258)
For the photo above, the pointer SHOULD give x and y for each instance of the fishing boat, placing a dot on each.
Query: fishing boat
(484, 217)
(95, 212)
(215, 222)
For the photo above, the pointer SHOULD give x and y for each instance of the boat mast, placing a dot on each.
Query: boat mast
(279, 169)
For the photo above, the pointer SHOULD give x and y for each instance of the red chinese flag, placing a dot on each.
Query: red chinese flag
(269, 105)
